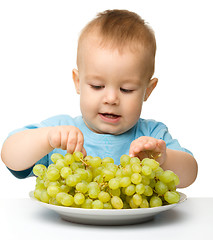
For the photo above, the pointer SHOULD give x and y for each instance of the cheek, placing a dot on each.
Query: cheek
(88, 102)
(133, 106)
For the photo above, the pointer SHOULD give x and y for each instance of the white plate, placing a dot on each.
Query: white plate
(107, 216)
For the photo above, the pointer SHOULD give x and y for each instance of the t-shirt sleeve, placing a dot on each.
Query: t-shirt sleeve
(53, 121)
(160, 131)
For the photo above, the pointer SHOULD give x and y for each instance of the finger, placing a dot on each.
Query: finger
(80, 142)
(71, 142)
(84, 152)
(161, 146)
(143, 145)
(55, 139)
(150, 145)
(136, 148)
(64, 137)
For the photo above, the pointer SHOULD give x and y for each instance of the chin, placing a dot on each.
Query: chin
(111, 131)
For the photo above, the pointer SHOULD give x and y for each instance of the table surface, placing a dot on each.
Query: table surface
(25, 219)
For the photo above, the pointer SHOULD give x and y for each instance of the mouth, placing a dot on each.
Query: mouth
(110, 117)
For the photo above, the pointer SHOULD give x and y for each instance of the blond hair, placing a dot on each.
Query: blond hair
(119, 29)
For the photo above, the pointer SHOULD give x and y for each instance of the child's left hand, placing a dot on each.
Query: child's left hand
(143, 147)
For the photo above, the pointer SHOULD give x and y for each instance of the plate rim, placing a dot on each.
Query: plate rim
(85, 211)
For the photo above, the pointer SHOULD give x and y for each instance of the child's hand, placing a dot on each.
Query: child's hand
(148, 147)
(68, 138)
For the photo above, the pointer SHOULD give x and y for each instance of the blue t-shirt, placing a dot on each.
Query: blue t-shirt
(103, 145)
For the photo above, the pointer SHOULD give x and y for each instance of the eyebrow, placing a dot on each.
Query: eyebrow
(90, 76)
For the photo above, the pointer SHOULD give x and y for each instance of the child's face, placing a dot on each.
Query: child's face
(112, 87)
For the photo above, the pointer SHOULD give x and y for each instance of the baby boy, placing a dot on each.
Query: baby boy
(115, 61)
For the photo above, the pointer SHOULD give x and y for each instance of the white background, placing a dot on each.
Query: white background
(38, 41)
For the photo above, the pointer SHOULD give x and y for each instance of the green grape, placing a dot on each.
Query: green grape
(125, 181)
(137, 199)
(176, 179)
(79, 198)
(60, 164)
(97, 204)
(89, 175)
(65, 172)
(148, 191)
(145, 180)
(132, 204)
(53, 201)
(116, 202)
(72, 180)
(107, 205)
(158, 172)
(104, 196)
(144, 204)
(69, 159)
(65, 188)
(82, 173)
(78, 156)
(92, 185)
(94, 162)
(140, 188)
(107, 160)
(119, 173)
(40, 183)
(136, 168)
(172, 197)
(151, 163)
(59, 197)
(74, 166)
(115, 192)
(97, 171)
(136, 178)
(171, 186)
(39, 170)
(81, 187)
(53, 174)
(146, 170)
(155, 201)
(124, 160)
(55, 156)
(127, 170)
(67, 200)
(98, 183)
(112, 167)
(152, 183)
(45, 197)
(130, 190)
(37, 193)
(93, 192)
(114, 183)
(167, 176)
(54, 183)
(161, 188)
(135, 160)
(107, 174)
(87, 159)
(87, 203)
(99, 179)
(53, 190)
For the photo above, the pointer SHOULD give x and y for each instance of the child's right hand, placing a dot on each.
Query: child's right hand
(68, 138)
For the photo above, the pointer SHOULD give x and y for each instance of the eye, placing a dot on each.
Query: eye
(126, 90)
(96, 87)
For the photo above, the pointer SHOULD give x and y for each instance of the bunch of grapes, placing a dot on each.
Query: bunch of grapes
(92, 182)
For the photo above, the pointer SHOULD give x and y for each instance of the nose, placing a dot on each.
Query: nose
(111, 97)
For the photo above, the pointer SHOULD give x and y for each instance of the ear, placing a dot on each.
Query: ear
(75, 76)
(151, 86)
